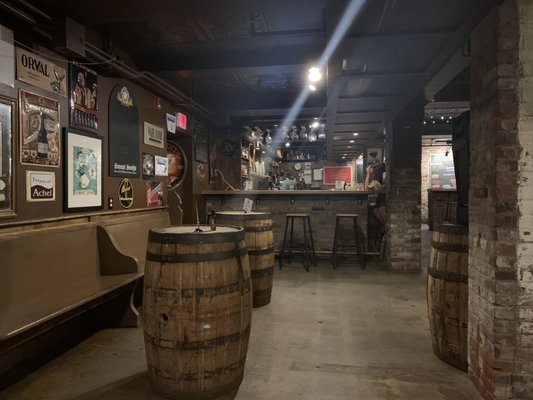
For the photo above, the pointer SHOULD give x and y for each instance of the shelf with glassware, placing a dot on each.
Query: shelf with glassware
(301, 150)
(255, 159)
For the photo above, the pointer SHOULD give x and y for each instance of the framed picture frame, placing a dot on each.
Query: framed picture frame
(83, 183)
(7, 157)
(40, 139)
(201, 143)
(83, 85)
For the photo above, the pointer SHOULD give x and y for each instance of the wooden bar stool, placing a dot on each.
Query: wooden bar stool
(307, 248)
(346, 249)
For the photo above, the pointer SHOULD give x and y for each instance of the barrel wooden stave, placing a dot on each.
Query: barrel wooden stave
(259, 239)
(447, 294)
(197, 318)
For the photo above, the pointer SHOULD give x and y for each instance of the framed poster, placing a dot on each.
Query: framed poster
(39, 130)
(201, 142)
(333, 174)
(154, 193)
(83, 172)
(83, 97)
(7, 159)
(177, 165)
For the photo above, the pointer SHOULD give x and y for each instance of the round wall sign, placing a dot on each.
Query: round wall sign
(125, 193)
(177, 165)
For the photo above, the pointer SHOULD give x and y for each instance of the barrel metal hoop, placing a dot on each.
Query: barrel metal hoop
(260, 273)
(195, 258)
(195, 238)
(447, 276)
(456, 247)
(199, 293)
(266, 250)
(257, 228)
(201, 344)
(195, 376)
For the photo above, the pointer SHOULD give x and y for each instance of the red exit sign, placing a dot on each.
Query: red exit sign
(182, 121)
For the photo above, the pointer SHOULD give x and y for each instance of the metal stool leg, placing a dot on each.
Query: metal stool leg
(282, 251)
(291, 244)
(335, 244)
(306, 248)
(358, 243)
(312, 241)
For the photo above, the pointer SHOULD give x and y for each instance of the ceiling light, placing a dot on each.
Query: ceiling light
(314, 124)
(311, 87)
(314, 74)
(352, 141)
(287, 144)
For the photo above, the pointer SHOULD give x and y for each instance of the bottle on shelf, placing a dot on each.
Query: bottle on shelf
(42, 140)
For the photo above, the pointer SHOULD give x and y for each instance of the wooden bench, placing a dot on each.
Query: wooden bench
(50, 275)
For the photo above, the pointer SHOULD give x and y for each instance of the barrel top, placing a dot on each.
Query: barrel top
(451, 228)
(189, 234)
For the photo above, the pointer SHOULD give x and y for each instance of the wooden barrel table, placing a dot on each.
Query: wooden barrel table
(259, 240)
(447, 294)
(197, 310)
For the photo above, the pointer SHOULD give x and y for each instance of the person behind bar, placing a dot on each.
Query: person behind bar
(374, 179)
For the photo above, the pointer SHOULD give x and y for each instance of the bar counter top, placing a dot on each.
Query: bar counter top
(321, 205)
(286, 192)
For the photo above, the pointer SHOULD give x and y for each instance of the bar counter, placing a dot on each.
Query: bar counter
(321, 205)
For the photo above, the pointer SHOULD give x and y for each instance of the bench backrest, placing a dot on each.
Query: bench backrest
(35, 263)
(130, 234)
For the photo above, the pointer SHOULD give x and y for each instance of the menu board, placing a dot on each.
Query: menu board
(442, 171)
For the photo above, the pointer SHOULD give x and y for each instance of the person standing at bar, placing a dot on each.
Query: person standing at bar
(374, 179)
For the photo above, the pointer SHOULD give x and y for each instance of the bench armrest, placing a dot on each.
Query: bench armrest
(112, 260)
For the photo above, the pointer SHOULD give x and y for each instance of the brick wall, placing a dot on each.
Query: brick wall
(500, 258)
(403, 204)
(403, 195)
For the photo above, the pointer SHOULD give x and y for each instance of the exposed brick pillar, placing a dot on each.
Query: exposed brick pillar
(501, 204)
(403, 196)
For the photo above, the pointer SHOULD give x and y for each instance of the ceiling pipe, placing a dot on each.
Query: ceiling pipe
(34, 9)
(19, 13)
(153, 81)
(165, 89)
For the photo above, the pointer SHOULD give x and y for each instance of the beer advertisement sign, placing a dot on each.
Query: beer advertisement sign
(40, 186)
(39, 130)
(40, 72)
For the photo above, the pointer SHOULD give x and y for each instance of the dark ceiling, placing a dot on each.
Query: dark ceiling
(246, 61)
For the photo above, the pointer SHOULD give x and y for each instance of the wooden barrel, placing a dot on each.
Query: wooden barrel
(259, 240)
(447, 294)
(197, 311)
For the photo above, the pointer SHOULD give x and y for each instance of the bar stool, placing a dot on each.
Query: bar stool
(343, 249)
(307, 248)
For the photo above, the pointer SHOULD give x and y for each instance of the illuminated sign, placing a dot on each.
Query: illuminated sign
(182, 121)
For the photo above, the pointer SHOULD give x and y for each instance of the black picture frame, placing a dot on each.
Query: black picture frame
(83, 171)
(8, 129)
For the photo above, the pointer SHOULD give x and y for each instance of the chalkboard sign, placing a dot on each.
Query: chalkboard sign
(442, 171)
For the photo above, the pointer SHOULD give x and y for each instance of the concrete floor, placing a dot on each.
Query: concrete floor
(342, 334)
